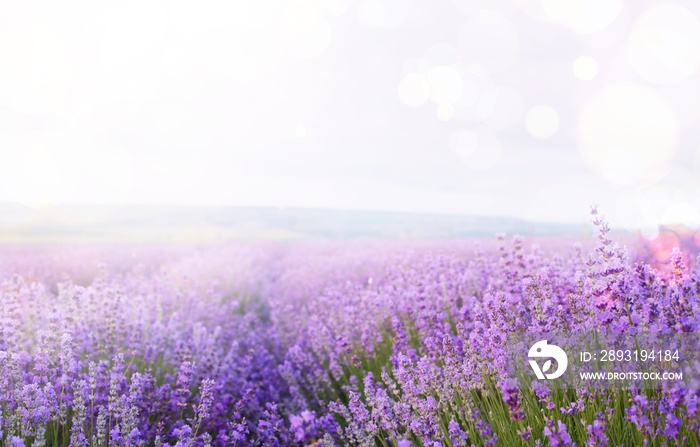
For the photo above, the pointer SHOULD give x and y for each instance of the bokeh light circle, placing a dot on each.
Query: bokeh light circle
(628, 133)
(445, 85)
(542, 121)
(585, 68)
(664, 44)
(477, 148)
(445, 112)
(414, 90)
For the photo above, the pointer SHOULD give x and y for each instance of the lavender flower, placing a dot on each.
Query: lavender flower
(557, 434)
(457, 436)
(596, 432)
(509, 388)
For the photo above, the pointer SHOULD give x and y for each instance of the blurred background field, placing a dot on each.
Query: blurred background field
(148, 224)
(512, 109)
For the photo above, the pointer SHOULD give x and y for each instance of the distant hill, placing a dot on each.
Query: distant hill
(167, 223)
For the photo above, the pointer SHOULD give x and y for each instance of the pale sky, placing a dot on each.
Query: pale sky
(533, 109)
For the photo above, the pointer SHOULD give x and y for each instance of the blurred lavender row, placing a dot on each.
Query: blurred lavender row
(392, 343)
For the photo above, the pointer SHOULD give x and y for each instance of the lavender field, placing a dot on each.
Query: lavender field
(372, 343)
